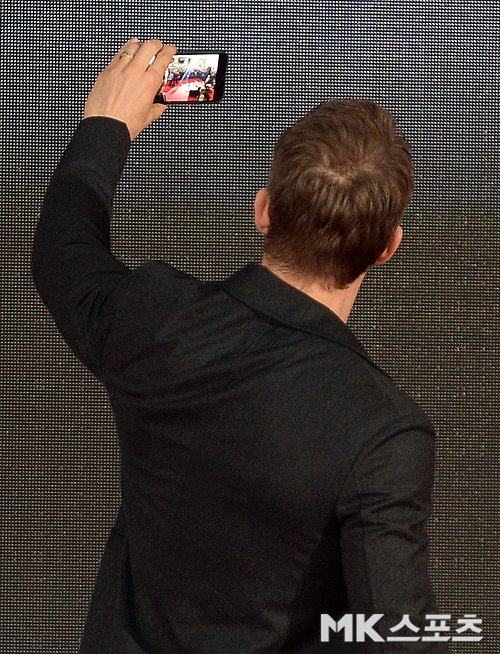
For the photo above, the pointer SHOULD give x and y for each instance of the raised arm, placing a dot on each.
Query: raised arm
(73, 268)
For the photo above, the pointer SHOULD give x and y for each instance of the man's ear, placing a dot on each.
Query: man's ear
(261, 210)
(392, 246)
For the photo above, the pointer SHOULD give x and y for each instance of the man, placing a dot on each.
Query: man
(271, 473)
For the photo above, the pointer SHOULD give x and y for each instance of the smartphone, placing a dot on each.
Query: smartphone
(194, 77)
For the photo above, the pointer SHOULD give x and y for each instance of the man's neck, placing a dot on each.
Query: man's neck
(340, 301)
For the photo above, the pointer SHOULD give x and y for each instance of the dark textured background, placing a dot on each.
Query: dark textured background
(429, 317)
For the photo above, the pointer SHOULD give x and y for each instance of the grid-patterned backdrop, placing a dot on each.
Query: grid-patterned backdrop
(430, 317)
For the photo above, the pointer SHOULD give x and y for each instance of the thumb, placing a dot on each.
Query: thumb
(156, 111)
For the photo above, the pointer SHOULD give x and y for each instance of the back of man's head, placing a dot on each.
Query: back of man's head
(340, 181)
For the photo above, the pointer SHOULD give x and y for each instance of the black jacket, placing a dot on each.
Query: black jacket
(271, 472)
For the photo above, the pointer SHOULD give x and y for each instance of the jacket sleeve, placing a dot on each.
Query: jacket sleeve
(383, 511)
(72, 266)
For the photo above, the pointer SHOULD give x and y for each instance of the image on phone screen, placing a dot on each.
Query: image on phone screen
(194, 77)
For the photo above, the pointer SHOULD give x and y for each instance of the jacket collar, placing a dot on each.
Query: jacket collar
(264, 292)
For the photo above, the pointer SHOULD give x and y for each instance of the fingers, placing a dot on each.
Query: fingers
(142, 54)
(164, 57)
(146, 51)
(124, 54)
(159, 65)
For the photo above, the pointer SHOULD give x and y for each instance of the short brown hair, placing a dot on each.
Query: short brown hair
(340, 180)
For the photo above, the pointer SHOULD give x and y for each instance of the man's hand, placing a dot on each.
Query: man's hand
(125, 89)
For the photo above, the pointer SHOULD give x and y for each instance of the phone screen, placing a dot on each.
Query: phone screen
(194, 77)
